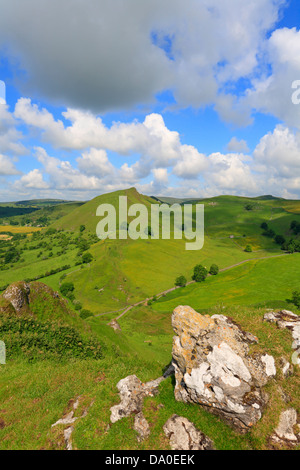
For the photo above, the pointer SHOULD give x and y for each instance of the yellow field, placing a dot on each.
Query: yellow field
(18, 229)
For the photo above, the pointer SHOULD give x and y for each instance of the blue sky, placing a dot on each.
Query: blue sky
(176, 98)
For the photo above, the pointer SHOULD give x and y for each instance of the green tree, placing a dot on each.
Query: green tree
(87, 257)
(200, 273)
(264, 226)
(279, 239)
(180, 281)
(66, 288)
(82, 228)
(296, 298)
(248, 249)
(85, 314)
(214, 270)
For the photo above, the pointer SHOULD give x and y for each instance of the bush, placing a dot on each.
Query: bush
(66, 288)
(279, 239)
(248, 249)
(87, 258)
(296, 298)
(214, 270)
(200, 273)
(180, 281)
(85, 314)
(37, 340)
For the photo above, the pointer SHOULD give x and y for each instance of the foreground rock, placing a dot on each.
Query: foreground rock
(132, 394)
(287, 432)
(184, 436)
(291, 321)
(213, 367)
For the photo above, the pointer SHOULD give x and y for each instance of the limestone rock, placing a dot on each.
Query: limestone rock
(115, 325)
(284, 434)
(132, 394)
(17, 294)
(184, 436)
(141, 426)
(291, 321)
(214, 369)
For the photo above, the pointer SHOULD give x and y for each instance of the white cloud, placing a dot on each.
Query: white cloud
(239, 146)
(278, 153)
(89, 62)
(272, 93)
(32, 180)
(7, 167)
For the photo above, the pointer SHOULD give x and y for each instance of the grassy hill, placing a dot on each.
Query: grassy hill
(120, 274)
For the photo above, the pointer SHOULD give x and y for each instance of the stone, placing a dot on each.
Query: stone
(141, 426)
(291, 321)
(213, 367)
(286, 368)
(184, 436)
(115, 325)
(17, 295)
(284, 434)
(132, 393)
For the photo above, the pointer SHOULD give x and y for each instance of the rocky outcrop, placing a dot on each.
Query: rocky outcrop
(184, 436)
(114, 325)
(214, 369)
(69, 419)
(287, 432)
(291, 321)
(141, 426)
(132, 393)
(17, 295)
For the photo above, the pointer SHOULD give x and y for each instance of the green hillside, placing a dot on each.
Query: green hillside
(86, 213)
(61, 347)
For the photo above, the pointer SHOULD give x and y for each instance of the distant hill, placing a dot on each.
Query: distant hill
(86, 213)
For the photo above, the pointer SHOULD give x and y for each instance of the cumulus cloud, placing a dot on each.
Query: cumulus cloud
(7, 168)
(273, 92)
(114, 55)
(10, 137)
(239, 146)
(278, 153)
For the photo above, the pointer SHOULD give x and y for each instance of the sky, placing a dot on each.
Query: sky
(182, 98)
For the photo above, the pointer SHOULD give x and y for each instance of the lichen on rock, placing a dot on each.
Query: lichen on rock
(213, 367)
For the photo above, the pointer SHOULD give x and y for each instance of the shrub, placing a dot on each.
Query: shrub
(279, 239)
(248, 249)
(85, 314)
(296, 298)
(200, 273)
(37, 340)
(214, 270)
(66, 288)
(87, 258)
(180, 281)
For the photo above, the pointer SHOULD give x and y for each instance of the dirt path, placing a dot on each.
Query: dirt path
(124, 311)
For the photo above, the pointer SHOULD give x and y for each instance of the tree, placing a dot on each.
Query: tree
(214, 270)
(85, 314)
(200, 273)
(87, 257)
(180, 281)
(279, 239)
(66, 288)
(264, 226)
(82, 228)
(248, 249)
(296, 298)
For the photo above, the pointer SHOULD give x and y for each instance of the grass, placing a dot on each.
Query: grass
(35, 395)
